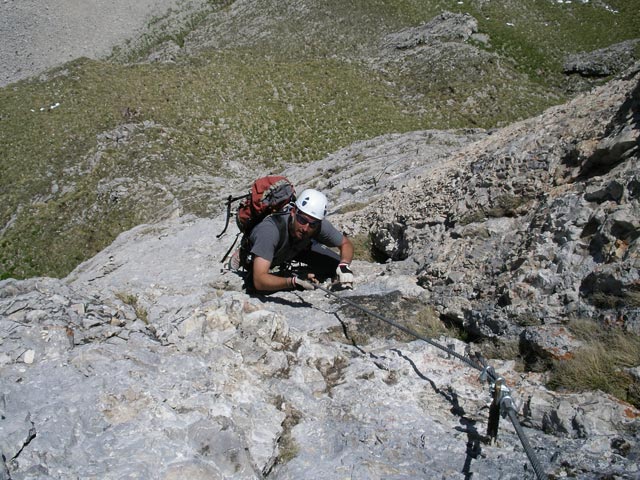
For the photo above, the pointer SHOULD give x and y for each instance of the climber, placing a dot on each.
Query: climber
(301, 234)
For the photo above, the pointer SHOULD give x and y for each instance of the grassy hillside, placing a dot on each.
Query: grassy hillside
(100, 146)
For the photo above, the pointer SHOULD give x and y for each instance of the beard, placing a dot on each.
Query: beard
(299, 232)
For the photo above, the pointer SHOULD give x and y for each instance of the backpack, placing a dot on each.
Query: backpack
(268, 195)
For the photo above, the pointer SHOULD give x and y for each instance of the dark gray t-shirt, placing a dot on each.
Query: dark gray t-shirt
(270, 239)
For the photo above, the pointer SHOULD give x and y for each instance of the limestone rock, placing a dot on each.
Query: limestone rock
(445, 27)
(603, 62)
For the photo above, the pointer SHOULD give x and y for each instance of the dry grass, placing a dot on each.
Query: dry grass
(601, 363)
(132, 301)
(500, 349)
(287, 447)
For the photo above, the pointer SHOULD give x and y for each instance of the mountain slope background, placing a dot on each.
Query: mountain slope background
(514, 239)
(226, 91)
(150, 360)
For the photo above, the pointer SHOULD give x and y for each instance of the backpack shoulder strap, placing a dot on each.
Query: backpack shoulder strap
(281, 219)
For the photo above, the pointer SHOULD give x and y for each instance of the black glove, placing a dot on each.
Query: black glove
(300, 284)
(345, 275)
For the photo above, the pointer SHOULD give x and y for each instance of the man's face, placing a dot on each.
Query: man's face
(303, 225)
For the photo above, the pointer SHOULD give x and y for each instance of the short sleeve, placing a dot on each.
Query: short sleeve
(329, 235)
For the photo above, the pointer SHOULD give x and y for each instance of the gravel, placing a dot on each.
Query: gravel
(37, 35)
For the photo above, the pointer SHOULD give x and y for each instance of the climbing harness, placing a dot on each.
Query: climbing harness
(502, 403)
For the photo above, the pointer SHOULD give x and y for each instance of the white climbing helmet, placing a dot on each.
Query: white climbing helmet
(313, 203)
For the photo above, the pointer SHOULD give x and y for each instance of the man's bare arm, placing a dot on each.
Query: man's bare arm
(346, 250)
(266, 282)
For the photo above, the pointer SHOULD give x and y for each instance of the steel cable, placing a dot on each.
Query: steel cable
(486, 370)
(450, 351)
(537, 467)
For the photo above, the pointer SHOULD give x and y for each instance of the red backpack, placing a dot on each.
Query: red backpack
(268, 195)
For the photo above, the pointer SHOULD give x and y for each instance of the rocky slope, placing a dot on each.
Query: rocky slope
(37, 36)
(531, 223)
(150, 361)
(163, 125)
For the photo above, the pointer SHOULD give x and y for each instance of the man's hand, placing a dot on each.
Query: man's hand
(345, 275)
(300, 284)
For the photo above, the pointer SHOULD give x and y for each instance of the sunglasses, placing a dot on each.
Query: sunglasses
(302, 220)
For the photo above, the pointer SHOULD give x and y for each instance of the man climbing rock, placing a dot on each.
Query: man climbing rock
(302, 234)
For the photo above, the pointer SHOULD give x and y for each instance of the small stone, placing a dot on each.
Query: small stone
(90, 322)
(29, 356)
(35, 315)
(78, 308)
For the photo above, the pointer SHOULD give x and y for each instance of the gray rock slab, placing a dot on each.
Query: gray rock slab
(37, 35)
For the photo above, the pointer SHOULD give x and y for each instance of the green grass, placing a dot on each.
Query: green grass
(538, 34)
(222, 106)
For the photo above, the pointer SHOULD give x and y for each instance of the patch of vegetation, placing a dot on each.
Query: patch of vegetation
(472, 217)
(428, 321)
(359, 327)
(507, 205)
(332, 372)
(499, 348)
(623, 299)
(362, 247)
(606, 300)
(527, 319)
(600, 364)
(287, 447)
(231, 106)
(132, 301)
(632, 297)
(538, 35)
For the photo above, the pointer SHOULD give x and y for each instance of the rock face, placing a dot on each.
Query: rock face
(603, 62)
(446, 27)
(149, 360)
(536, 222)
